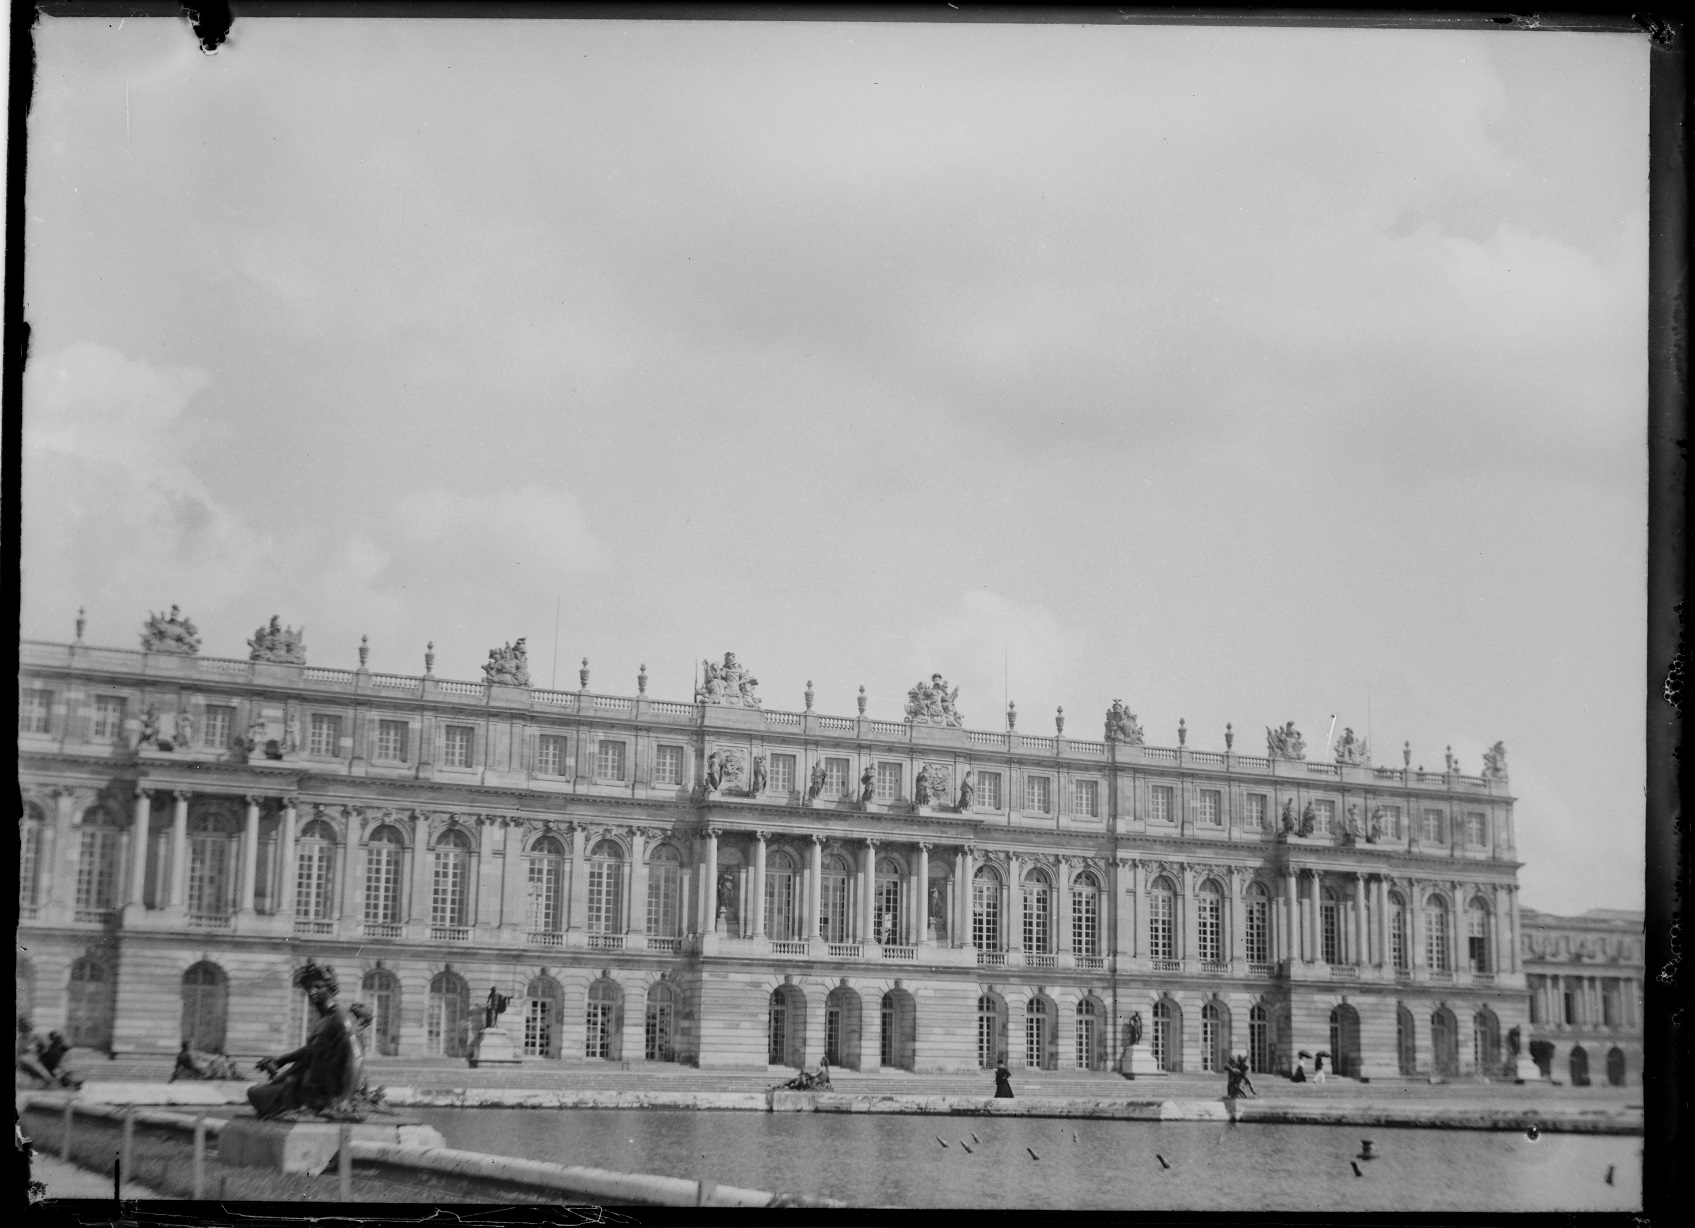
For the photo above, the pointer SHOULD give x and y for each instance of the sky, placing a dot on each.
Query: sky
(1245, 375)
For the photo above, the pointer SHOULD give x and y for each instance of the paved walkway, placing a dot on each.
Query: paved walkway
(70, 1181)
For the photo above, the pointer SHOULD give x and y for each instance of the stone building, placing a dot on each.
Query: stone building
(1584, 976)
(720, 883)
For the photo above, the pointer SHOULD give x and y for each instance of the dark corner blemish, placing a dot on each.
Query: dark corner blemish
(211, 20)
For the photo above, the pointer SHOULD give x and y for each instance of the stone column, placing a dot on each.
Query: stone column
(1499, 959)
(758, 901)
(1062, 910)
(143, 815)
(815, 887)
(963, 875)
(1456, 923)
(249, 857)
(1141, 918)
(1415, 914)
(179, 852)
(1015, 903)
(1362, 941)
(577, 908)
(287, 871)
(513, 882)
(637, 893)
(1512, 938)
(1382, 893)
(1187, 948)
(921, 918)
(418, 906)
(868, 893)
(1292, 917)
(350, 868)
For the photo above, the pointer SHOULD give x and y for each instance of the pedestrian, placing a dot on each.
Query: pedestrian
(1318, 1068)
(186, 1067)
(1003, 1081)
(1232, 1081)
(1300, 1075)
(1242, 1072)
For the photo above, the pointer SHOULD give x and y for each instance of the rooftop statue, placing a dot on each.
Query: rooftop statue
(931, 703)
(729, 683)
(325, 1074)
(278, 643)
(1352, 750)
(509, 666)
(170, 633)
(1285, 743)
(1121, 725)
(1495, 761)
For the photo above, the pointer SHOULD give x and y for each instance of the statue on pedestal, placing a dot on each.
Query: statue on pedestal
(967, 792)
(867, 784)
(931, 703)
(325, 1074)
(508, 665)
(277, 643)
(170, 633)
(1495, 762)
(757, 785)
(185, 731)
(1352, 750)
(291, 734)
(149, 726)
(1290, 823)
(729, 683)
(1285, 743)
(1121, 725)
(494, 1007)
(815, 786)
(1309, 819)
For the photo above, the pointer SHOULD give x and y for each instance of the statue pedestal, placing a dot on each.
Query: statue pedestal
(1138, 1060)
(493, 1048)
(1526, 1070)
(309, 1146)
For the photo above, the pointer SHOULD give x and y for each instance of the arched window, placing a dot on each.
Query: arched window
(1041, 1024)
(1166, 1040)
(786, 1026)
(1085, 915)
(660, 1031)
(991, 1030)
(545, 895)
(380, 989)
(1436, 933)
(833, 900)
(88, 1007)
(900, 1029)
(97, 865)
(1579, 1066)
(1398, 945)
(385, 871)
(1330, 935)
(605, 1020)
(986, 909)
(1345, 1041)
(543, 1000)
(1038, 913)
(1209, 923)
(606, 888)
(211, 863)
(1161, 913)
(314, 882)
(1477, 936)
(1445, 1042)
(1256, 926)
(450, 888)
(1406, 1043)
(32, 829)
(781, 919)
(1259, 1039)
(888, 915)
(205, 1007)
(664, 897)
(842, 1027)
(447, 1027)
(1091, 1033)
(1485, 1043)
(1615, 1066)
(1215, 1036)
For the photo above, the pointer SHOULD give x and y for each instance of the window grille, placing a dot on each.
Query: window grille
(606, 879)
(325, 736)
(609, 760)
(97, 870)
(668, 765)
(664, 893)
(108, 717)
(215, 732)
(1209, 928)
(391, 741)
(1256, 929)
(1432, 833)
(1436, 935)
(836, 777)
(1476, 829)
(1330, 925)
(1212, 807)
(1038, 792)
(1038, 928)
(1161, 806)
(888, 782)
(546, 891)
(1085, 918)
(1160, 916)
(35, 711)
(314, 880)
(383, 877)
(1086, 798)
(782, 774)
(1256, 811)
(456, 746)
(447, 896)
(986, 911)
(550, 755)
(1325, 812)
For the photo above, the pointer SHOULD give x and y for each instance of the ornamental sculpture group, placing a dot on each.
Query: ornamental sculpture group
(326, 1075)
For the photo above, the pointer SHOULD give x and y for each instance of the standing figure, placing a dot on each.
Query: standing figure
(921, 786)
(714, 771)
(867, 784)
(967, 792)
(149, 726)
(1003, 1080)
(291, 734)
(494, 1007)
(758, 784)
(1242, 1074)
(816, 785)
(185, 731)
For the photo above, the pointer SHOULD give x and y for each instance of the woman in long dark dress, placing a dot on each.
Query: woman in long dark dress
(1003, 1081)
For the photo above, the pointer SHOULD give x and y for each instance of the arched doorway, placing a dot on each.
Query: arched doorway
(1041, 1027)
(604, 1021)
(205, 1007)
(544, 1003)
(447, 1026)
(1444, 1042)
(88, 1005)
(1615, 1066)
(842, 1028)
(1485, 1042)
(381, 991)
(899, 1032)
(660, 1028)
(1406, 1048)
(991, 1030)
(1579, 1066)
(786, 1027)
(1091, 1033)
(1345, 1040)
(1215, 1036)
(1259, 1039)
(1166, 1036)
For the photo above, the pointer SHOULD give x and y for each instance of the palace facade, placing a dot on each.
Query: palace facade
(723, 884)
(1584, 976)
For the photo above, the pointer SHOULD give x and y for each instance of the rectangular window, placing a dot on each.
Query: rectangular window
(833, 918)
(668, 765)
(97, 869)
(35, 711)
(1397, 935)
(1209, 926)
(1432, 833)
(1476, 829)
(609, 760)
(1331, 937)
(1086, 798)
(1212, 807)
(1256, 814)
(1038, 794)
(782, 774)
(1392, 823)
(888, 782)
(836, 777)
(550, 755)
(1326, 822)
(391, 741)
(1085, 922)
(108, 717)
(1161, 807)
(456, 746)
(1257, 932)
(326, 735)
(219, 721)
(989, 790)
(546, 888)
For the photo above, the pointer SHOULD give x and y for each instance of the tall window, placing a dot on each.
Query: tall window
(986, 910)
(989, 790)
(1161, 912)
(661, 1024)
(1477, 937)
(391, 741)
(1038, 913)
(1476, 829)
(1392, 823)
(1213, 1038)
(836, 777)
(1209, 922)
(833, 899)
(1163, 1040)
(211, 864)
(381, 988)
(888, 782)
(1212, 808)
(780, 919)
(384, 855)
(1085, 915)
(97, 866)
(988, 1030)
(448, 886)
(546, 893)
(1086, 798)
(606, 881)
(1255, 818)
(326, 735)
(1038, 794)
(889, 914)
(1161, 806)
(1432, 833)
(668, 765)
(456, 746)
(1038, 1028)
(108, 716)
(1326, 817)
(609, 760)
(1259, 1039)
(541, 1017)
(1090, 1055)
(1330, 925)
(447, 1022)
(550, 755)
(782, 774)
(31, 831)
(1256, 928)
(601, 1031)
(1398, 931)
(35, 711)
(1436, 933)
(215, 733)
(314, 881)
(664, 894)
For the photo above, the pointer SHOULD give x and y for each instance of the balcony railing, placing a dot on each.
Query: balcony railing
(784, 947)
(1090, 963)
(1442, 976)
(313, 925)
(1344, 972)
(1403, 974)
(95, 916)
(900, 952)
(606, 942)
(846, 950)
(210, 921)
(545, 938)
(1168, 965)
(991, 959)
(384, 929)
(1040, 961)
(666, 946)
(1214, 967)
(1483, 978)
(1262, 969)
(450, 933)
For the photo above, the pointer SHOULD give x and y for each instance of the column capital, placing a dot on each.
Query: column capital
(181, 795)
(816, 838)
(761, 835)
(252, 799)
(925, 845)
(872, 842)
(714, 832)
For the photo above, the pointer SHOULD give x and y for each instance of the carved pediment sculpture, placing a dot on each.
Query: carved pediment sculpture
(931, 703)
(729, 683)
(170, 633)
(1352, 750)
(278, 643)
(508, 665)
(1495, 762)
(1285, 743)
(1121, 725)
(724, 768)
